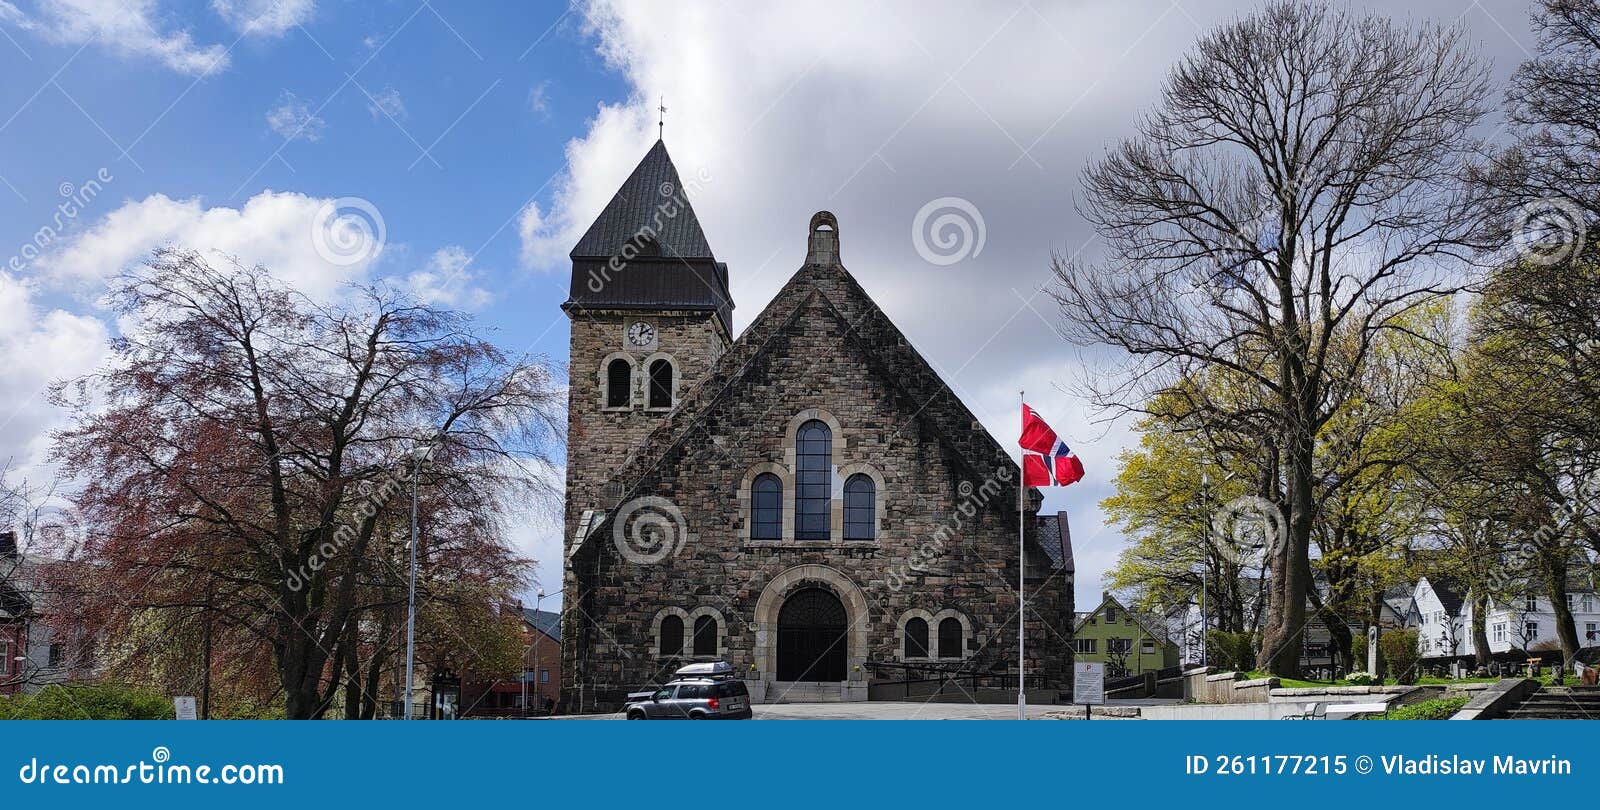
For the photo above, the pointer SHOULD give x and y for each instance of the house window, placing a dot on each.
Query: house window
(544, 676)
(619, 379)
(1588, 603)
(1500, 632)
(813, 481)
(5, 658)
(950, 638)
(1111, 615)
(1148, 646)
(672, 635)
(57, 655)
(1085, 645)
(705, 636)
(916, 638)
(860, 507)
(1590, 633)
(1571, 600)
(661, 384)
(1530, 630)
(1119, 645)
(1530, 603)
(766, 508)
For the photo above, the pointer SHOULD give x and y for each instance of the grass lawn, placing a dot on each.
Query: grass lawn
(1298, 683)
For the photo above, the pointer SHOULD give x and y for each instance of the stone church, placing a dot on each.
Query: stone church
(806, 500)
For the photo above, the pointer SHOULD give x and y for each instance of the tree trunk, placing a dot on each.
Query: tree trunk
(1480, 628)
(1281, 642)
(1555, 589)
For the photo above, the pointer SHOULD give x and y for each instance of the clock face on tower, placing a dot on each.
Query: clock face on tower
(641, 334)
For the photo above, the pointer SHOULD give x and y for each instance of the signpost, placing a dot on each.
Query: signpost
(183, 707)
(1088, 685)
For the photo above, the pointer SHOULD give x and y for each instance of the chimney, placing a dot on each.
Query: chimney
(824, 245)
(8, 544)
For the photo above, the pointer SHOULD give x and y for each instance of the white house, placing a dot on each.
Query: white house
(1443, 618)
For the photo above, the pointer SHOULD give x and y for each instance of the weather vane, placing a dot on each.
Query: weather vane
(661, 122)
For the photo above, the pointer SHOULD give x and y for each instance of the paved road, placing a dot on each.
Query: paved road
(882, 710)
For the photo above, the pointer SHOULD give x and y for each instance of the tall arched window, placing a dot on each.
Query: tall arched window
(672, 635)
(766, 508)
(917, 638)
(619, 381)
(950, 638)
(860, 507)
(661, 384)
(705, 636)
(813, 480)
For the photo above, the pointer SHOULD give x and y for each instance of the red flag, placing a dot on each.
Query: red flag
(1036, 435)
(1046, 460)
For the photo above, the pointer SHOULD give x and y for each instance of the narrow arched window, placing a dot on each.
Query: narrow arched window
(917, 638)
(950, 638)
(672, 635)
(619, 379)
(661, 384)
(705, 636)
(813, 480)
(860, 507)
(766, 508)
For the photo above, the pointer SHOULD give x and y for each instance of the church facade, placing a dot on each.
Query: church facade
(806, 500)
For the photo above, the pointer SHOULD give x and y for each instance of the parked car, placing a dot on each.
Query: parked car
(692, 698)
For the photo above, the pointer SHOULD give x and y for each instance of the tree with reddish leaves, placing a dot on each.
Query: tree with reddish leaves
(247, 460)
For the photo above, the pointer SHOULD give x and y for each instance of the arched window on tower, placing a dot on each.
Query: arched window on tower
(705, 636)
(860, 507)
(813, 481)
(950, 638)
(766, 508)
(917, 638)
(672, 635)
(661, 384)
(619, 382)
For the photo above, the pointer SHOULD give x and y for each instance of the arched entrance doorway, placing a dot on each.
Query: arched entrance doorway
(811, 636)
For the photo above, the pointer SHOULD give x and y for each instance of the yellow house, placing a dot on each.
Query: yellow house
(1111, 635)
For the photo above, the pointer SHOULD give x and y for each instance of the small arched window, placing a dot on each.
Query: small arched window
(661, 384)
(950, 638)
(619, 381)
(672, 635)
(705, 636)
(860, 507)
(766, 508)
(917, 638)
(813, 480)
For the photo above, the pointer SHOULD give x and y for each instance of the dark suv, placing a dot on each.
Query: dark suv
(693, 699)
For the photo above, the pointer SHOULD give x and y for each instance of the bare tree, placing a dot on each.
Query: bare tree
(1296, 187)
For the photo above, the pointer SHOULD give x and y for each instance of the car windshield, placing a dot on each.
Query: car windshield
(663, 694)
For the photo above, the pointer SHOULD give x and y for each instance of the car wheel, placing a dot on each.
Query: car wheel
(636, 715)
(697, 715)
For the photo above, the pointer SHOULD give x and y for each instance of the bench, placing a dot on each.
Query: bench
(1358, 708)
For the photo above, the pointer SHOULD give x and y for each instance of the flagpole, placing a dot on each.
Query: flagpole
(1022, 582)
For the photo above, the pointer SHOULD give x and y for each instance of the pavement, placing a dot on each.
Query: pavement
(887, 710)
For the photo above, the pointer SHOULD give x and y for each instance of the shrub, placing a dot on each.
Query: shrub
(1436, 709)
(86, 702)
(1399, 651)
(1361, 679)
(1235, 651)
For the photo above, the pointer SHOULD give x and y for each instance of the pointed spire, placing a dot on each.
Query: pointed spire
(651, 204)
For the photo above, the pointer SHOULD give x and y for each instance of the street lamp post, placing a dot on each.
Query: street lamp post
(411, 593)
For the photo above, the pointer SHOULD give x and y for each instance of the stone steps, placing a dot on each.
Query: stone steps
(804, 692)
(1559, 703)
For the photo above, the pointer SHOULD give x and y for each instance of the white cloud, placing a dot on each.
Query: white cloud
(37, 347)
(264, 18)
(287, 232)
(293, 119)
(539, 98)
(386, 103)
(129, 28)
(447, 281)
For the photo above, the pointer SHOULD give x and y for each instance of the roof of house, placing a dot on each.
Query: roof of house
(1144, 622)
(871, 335)
(545, 621)
(652, 195)
(1055, 535)
(1449, 591)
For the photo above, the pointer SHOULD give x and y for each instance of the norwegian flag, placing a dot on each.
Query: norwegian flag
(1046, 460)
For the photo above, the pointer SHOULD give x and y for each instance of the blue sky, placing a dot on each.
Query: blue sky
(484, 136)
